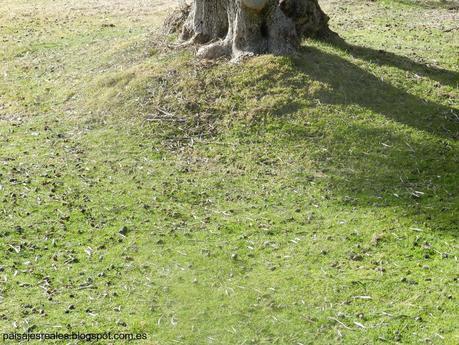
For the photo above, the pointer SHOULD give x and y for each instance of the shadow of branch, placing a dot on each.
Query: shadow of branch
(381, 57)
(350, 84)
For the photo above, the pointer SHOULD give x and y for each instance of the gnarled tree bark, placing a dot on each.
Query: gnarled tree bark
(237, 28)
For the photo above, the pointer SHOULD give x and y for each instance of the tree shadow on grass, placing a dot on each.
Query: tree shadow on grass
(380, 164)
(366, 165)
(351, 84)
(383, 58)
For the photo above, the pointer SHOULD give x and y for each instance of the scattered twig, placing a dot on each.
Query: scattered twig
(342, 324)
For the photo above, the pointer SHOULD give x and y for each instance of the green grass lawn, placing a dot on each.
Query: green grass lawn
(288, 200)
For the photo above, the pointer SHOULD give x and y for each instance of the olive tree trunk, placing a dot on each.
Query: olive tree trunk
(237, 28)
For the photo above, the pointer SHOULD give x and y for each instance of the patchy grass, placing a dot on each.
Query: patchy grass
(304, 200)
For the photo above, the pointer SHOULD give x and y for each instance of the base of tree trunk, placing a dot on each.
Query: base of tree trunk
(238, 28)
